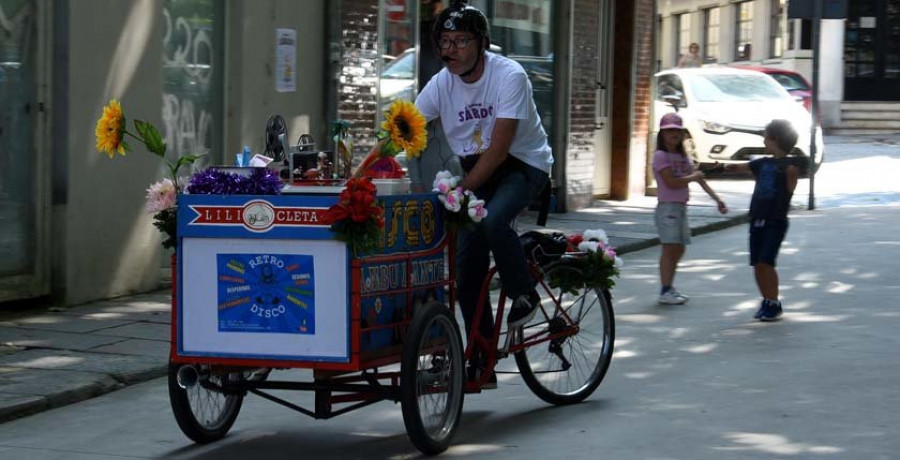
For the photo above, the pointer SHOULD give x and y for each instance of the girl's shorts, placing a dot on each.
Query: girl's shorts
(672, 223)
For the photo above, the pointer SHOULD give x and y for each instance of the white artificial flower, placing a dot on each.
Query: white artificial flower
(596, 235)
(589, 246)
(619, 263)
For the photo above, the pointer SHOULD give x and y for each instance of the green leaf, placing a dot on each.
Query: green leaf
(186, 160)
(151, 137)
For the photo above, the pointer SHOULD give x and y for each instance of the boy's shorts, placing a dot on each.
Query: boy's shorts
(765, 240)
(672, 224)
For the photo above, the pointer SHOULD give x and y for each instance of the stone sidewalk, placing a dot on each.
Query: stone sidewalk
(50, 357)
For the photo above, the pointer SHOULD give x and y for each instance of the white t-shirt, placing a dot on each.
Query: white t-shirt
(468, 111)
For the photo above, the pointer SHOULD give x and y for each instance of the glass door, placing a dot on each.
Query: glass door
(23, 197)
(872, 51)
(602, 134)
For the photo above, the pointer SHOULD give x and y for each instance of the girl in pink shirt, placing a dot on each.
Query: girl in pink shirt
(674, 170)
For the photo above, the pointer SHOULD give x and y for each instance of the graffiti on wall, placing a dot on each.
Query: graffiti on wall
(188, 66)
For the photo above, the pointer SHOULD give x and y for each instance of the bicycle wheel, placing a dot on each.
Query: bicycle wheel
(431, 379)
(203, 412)
(568, 369)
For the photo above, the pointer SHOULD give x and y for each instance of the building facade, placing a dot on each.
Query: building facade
(859, 55)
(210, 73)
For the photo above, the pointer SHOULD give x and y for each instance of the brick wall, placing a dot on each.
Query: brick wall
(644, 69)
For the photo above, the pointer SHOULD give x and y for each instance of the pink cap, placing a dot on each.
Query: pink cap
(670, 121)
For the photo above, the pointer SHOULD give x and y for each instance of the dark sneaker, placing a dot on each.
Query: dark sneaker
(760, 310)
(523, 309)
(771, 312)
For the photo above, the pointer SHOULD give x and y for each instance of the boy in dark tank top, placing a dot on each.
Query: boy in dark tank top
(776, 178)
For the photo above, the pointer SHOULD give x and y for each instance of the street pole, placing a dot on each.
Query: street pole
(817, 20)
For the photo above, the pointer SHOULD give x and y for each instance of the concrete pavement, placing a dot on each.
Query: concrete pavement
(51, 357)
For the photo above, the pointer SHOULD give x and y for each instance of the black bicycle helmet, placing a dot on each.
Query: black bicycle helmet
(460, 17)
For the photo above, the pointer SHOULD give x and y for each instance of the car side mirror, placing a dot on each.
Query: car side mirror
(674, 100)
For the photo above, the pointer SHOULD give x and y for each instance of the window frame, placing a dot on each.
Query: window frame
(711, 40)
(739, 28)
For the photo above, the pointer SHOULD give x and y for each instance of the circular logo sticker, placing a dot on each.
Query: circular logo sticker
(259, 216)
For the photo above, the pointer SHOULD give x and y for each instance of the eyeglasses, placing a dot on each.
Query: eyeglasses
(458, 43)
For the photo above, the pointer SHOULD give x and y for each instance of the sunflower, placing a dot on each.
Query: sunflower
(406, 126)
(110, 130)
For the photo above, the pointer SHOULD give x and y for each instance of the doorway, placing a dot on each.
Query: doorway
(24, 197)
(872, 51)
(602, 133)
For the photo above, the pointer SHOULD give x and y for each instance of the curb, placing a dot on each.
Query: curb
(103, 384)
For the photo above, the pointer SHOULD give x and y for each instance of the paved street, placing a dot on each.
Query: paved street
(698, 381)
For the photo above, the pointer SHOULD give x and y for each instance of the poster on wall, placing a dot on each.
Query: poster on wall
(266, 293)
(285, 60)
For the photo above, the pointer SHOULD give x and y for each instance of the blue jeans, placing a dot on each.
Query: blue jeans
(506, 194)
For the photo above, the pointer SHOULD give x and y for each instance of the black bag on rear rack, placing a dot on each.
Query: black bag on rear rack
(543, 248)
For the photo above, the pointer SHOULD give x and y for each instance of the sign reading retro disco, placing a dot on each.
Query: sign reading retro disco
(266, 293)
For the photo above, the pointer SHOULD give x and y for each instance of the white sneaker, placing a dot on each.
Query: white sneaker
(671, 298)
(678, 294)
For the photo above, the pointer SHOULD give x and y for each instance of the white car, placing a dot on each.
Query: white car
(725, 111)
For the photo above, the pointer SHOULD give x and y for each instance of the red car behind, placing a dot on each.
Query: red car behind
(792, 81)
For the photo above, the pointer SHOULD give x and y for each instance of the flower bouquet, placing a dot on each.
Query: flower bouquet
(357, 218)
(403, 130)
(597, 264)
(162, 196)
(462, 207)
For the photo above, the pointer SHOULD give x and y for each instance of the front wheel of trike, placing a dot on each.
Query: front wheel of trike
(431, 380)
(204, 412)
(576, 340)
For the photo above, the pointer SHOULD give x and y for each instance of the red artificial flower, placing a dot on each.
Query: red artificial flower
(574, 240)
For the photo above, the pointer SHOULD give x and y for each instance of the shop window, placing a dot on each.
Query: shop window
(523, 30)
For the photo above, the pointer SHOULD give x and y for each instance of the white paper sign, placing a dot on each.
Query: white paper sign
(285, 60)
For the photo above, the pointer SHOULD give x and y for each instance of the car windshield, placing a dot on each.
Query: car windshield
(790, 82)
(723, 88)
(401, 67)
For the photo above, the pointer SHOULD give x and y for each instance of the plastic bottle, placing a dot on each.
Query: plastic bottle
(247, 155)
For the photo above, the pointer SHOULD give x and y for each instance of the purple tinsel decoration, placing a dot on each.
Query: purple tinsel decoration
(262, 181)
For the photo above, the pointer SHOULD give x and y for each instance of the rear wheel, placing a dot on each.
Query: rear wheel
(203, 411)
(431, 381)
(566, 370)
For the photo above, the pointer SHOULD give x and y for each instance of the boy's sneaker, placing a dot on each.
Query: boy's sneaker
(672, 297)
(522, 310)
(761, 309)
(771, 311)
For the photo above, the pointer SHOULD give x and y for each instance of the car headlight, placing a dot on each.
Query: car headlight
(713, 127)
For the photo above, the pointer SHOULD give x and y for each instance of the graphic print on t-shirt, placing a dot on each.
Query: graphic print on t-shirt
(479, 115)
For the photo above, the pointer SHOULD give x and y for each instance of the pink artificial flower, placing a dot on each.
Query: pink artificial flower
(609, 254)
(161, 196)
(477, 211)
(452, 200)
